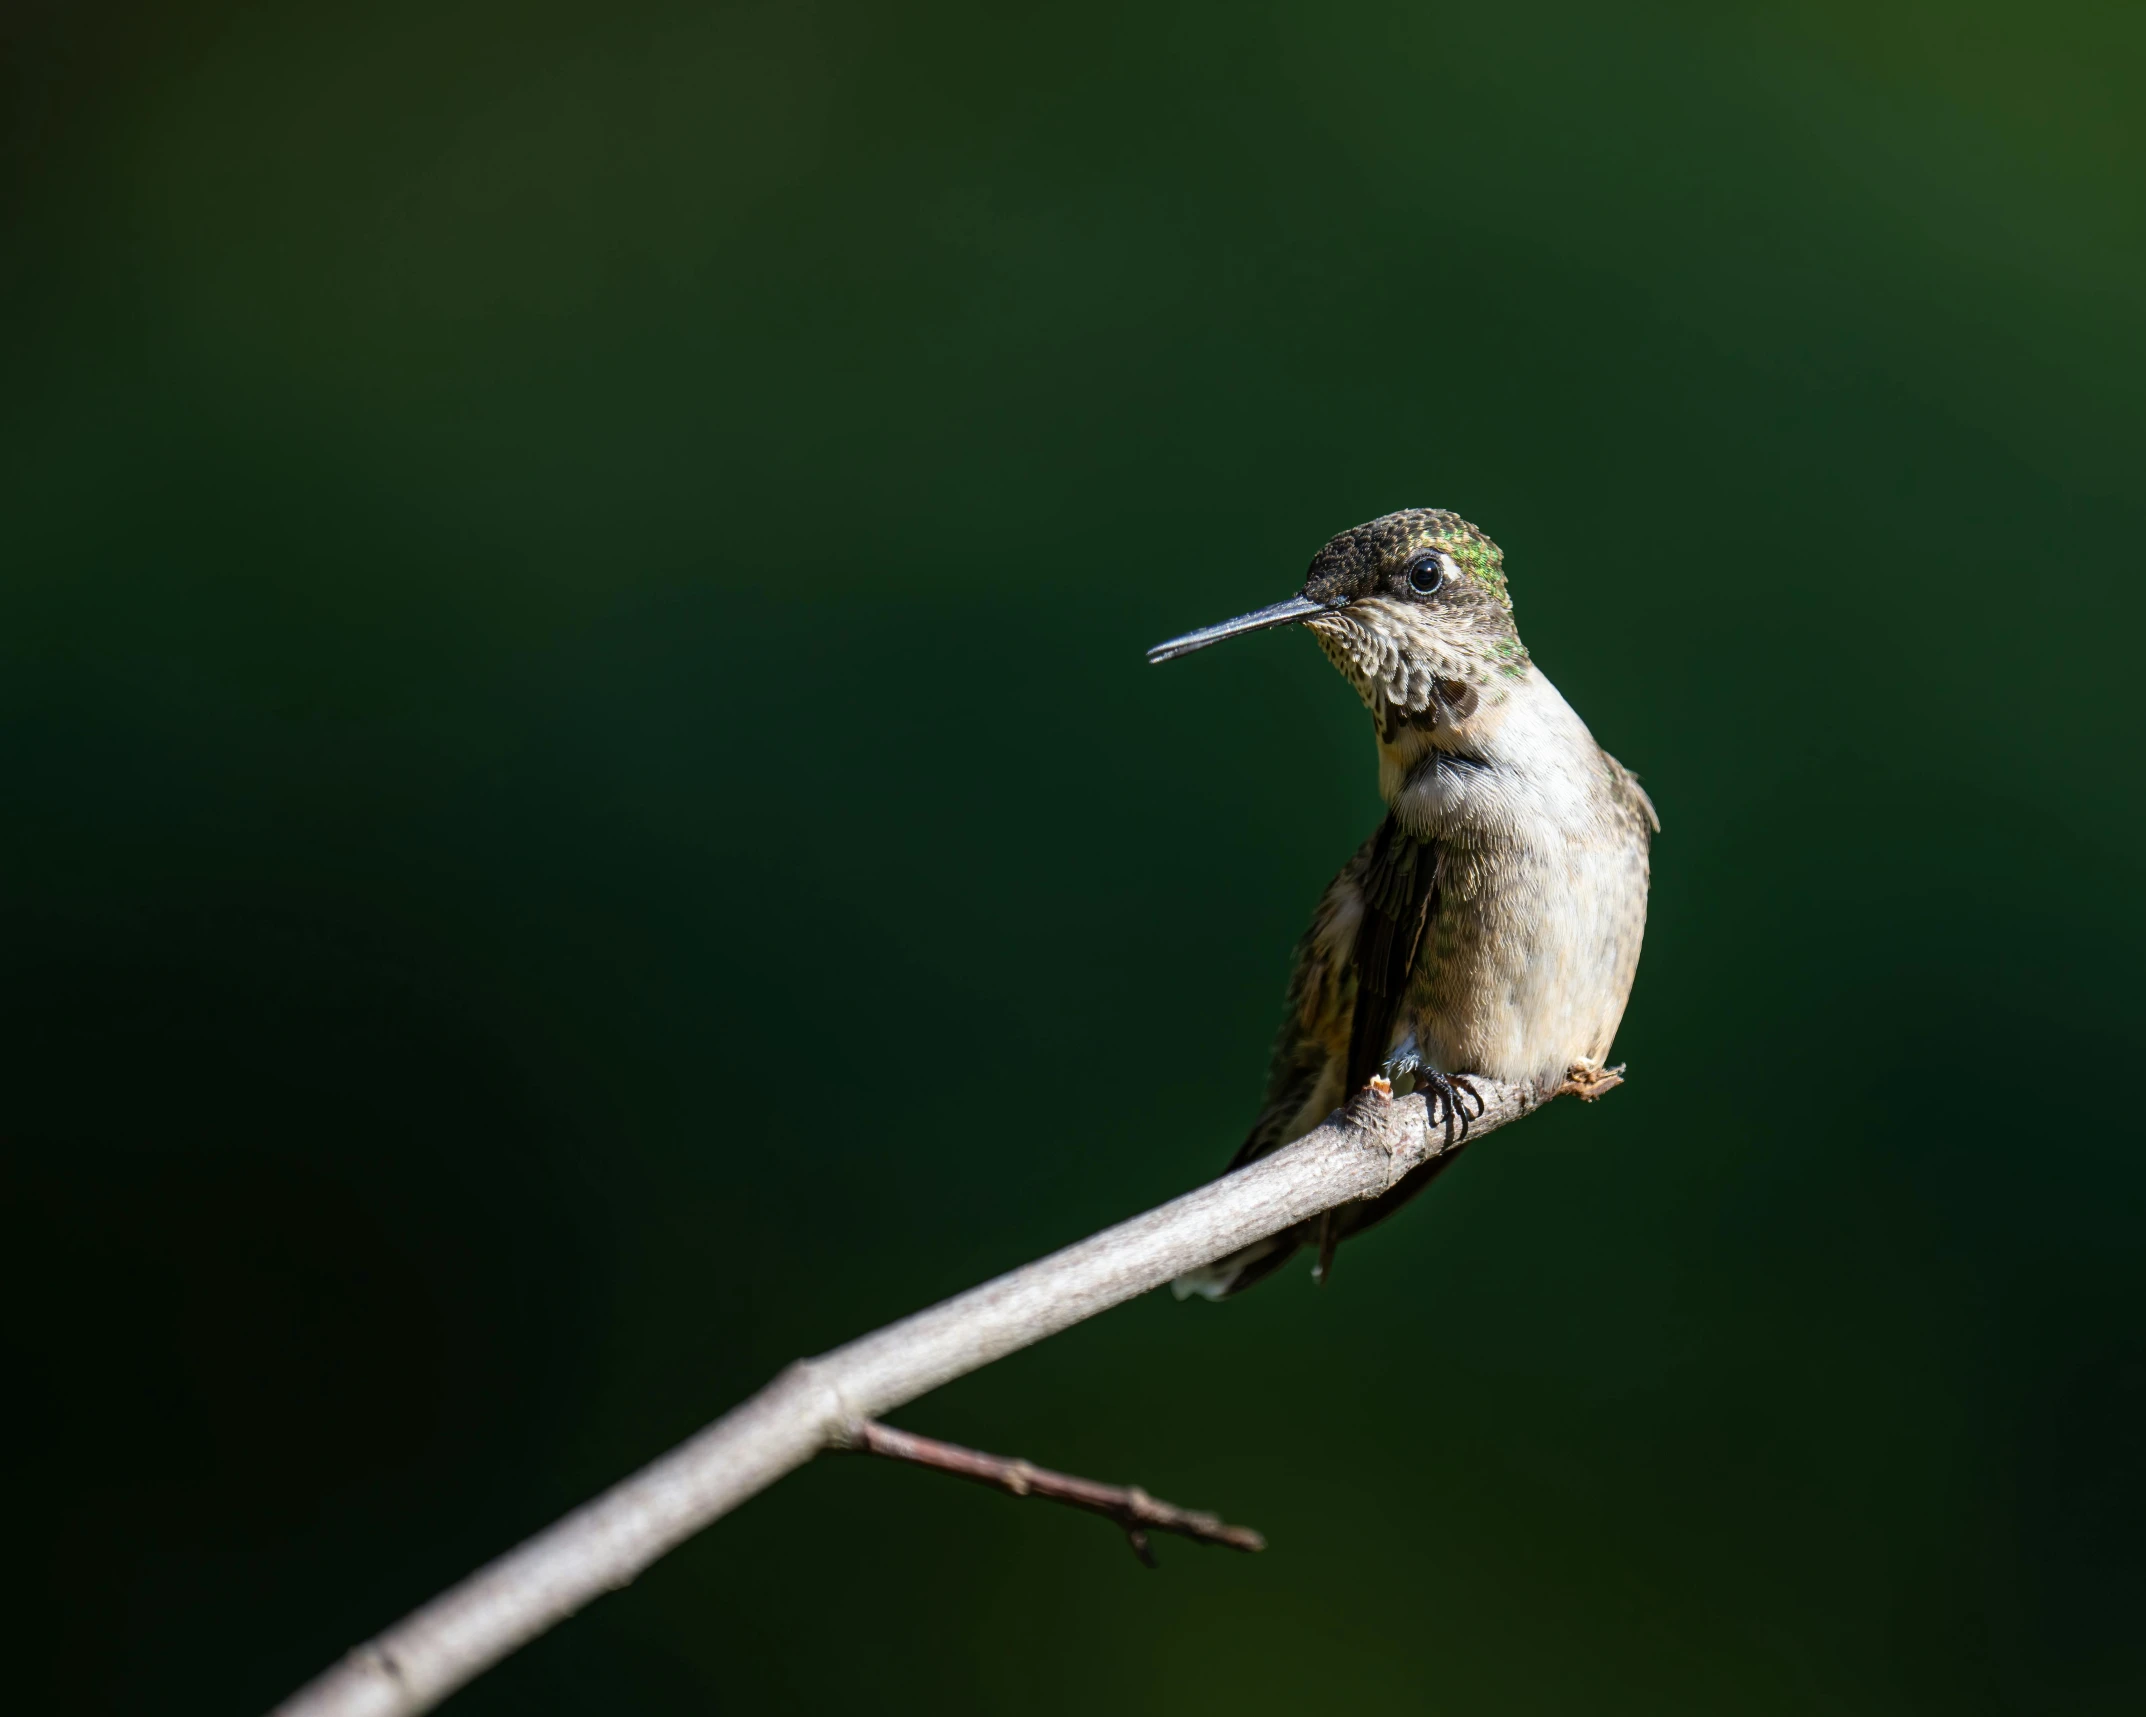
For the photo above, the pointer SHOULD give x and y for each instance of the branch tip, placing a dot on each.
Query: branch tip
(1590, 1080)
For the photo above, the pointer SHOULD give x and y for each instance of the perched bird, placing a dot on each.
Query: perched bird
(1492, 923)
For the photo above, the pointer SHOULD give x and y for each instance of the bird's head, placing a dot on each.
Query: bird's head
(1412, 608)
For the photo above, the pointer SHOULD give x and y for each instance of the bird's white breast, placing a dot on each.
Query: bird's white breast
(1542, 892)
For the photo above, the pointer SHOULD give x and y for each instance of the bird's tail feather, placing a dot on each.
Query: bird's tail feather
(1237, 1272)
(1255, 1263)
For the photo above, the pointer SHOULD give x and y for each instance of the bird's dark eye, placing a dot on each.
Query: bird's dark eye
(1426, 573)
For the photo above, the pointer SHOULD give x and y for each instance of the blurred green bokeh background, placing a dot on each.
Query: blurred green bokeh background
(571, 601)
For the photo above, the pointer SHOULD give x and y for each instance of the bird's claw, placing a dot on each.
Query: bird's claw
(1447, 1096)
(1444, 1094)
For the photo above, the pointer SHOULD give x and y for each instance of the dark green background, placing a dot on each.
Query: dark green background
(586, 817)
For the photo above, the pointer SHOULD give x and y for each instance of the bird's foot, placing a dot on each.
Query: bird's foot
(1446, 1095)
(1398, 1072)
(1588, 1080)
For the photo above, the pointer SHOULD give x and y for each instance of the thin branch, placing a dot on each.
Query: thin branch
(817, 1404)
(1128, 1505)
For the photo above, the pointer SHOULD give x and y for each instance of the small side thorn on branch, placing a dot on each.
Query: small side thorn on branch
(1130, 1506)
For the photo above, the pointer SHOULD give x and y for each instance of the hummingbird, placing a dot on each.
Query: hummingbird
(1491, 924)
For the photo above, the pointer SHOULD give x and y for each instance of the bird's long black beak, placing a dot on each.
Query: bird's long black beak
(1276, 614)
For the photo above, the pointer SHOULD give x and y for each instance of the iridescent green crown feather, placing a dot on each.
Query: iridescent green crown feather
(1387, 541)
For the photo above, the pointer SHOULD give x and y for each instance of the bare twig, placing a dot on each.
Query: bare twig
(817, 1404)
(1128, 1505)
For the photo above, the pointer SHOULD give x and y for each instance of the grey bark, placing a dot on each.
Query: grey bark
(820, 1404)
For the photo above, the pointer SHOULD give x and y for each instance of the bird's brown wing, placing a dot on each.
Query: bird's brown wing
(1400, 890)
(1345, 996)
(1346, 988)
(1400, 906)
(1310, 1051)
